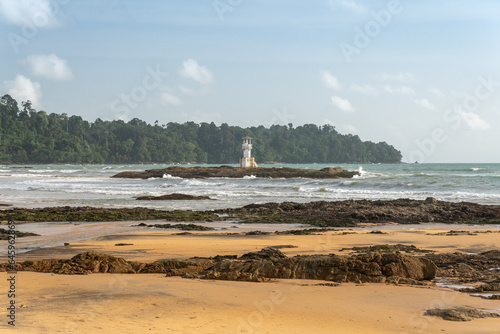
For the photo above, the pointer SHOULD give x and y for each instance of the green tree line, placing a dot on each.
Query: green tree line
(31, 136)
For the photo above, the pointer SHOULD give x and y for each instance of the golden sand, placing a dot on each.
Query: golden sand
(152, 303)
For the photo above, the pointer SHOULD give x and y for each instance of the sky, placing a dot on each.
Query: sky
(421, 75)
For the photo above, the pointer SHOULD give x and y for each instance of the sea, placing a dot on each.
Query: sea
(92, 185)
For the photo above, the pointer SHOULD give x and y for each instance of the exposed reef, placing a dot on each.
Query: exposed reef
(461, 314)
(322, 213)
(183, 227)
(6, 234)
(237, 172)
(87, 213)
(257, 266)
(172, 197)
(350, 212)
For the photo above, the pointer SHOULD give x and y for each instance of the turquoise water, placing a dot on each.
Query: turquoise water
(57, 185)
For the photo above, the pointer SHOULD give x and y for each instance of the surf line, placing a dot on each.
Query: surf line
(11, 273)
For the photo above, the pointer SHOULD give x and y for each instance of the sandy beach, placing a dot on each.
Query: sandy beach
(153, 303)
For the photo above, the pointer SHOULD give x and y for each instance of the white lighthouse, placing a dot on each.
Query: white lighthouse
(247, 161)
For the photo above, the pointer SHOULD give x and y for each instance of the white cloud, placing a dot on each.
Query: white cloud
(192, 70)
(401, 77)
(170, 99)
(424, 103)
(39, 13)
(405, 90)
(348, 4)
(474, 121)
(330, 81)
(364, 89)
(436, 91)
(49, 66)
(23, 89)
(342, 104)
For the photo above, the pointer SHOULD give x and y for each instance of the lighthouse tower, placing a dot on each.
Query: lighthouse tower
(247, 161)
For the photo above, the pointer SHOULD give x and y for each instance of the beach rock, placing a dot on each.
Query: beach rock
(174, 267)
(460, 314)
(350, 212)
(172, 197)
(183, 227)
(84, 263)
(6, 234)
(492, 254)
(266, 264)
(492, 286)
(267, 253)
(372, 267)
(466, 266)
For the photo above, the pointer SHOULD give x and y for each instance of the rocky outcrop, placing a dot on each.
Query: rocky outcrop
(6, 234)
(467, 266)
(172, 197)
(88, 213)
(320, 213)
(350, 212)
(173, 267)
(182, 227)
(373, 267)
(492, 286)
(256, 266)
(237, 172)
(84, 263)
(461, 314)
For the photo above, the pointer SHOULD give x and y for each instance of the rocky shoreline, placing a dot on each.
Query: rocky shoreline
(417, 267)
(237, 172)
(94, 214)
(269, 263)
(352, 213)
(348, 213)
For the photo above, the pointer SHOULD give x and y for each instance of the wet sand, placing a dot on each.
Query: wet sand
(152, 303)
(153, 244)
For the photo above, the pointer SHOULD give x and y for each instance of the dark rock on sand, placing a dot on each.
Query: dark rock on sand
(350, 212)
(183, 227)
(84, 263)
(493, 297)
(493, 286)
(466, 266)
(388, 249)
(460, 314)
(237, 172)
(5, 233)
(174, 267)
(172, 197)
(256, 266)
(264, 254)
(374, 267)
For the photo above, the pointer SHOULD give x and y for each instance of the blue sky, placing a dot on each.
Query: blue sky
(420, 75)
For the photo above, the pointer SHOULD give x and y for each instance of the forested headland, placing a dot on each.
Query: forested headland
(31, 136)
